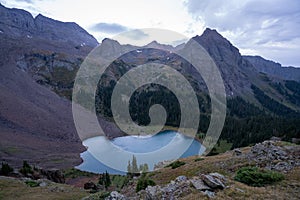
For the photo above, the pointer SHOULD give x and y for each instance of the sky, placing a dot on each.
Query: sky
(269, 28)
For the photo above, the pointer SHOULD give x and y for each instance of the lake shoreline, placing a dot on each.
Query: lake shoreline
(94, 158)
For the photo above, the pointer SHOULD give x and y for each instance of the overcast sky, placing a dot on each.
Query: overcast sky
(269, 28)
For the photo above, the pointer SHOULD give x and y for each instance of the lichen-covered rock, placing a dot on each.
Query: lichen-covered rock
(212, 181)
(199, 184)
(182, 186)
(274, 157)
(237, 152)
(114, 195)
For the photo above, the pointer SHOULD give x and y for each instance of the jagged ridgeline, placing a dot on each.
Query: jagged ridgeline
(149, 94)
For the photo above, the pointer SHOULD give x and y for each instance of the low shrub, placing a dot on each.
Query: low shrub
(6, 169)
(254, 176)
(119, 181)
(26, 169)
(198, 159)
(144, 182)
(74, 173)
(32, 183)
(176, 164)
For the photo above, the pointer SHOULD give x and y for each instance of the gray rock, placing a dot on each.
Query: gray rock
(219, 176)
(240, 190)
(210, 194)
(237, 152)
(181, 179)
(153, 192)
(199, 184)
(212, 182)
(283, 166)
(43, 184)
(114, 195)
(270, 156)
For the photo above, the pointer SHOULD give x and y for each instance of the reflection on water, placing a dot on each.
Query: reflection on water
(100, 147)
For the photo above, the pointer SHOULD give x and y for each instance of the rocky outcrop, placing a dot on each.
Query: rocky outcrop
(208, 184)
(270, 155)
(214, 180)
(114, 195)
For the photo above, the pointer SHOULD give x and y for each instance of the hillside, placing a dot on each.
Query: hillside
(35, 123)
(182, 182)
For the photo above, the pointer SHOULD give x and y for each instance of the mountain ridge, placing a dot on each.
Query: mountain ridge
(20, 23)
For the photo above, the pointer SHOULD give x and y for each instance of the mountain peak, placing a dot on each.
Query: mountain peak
(108, 41)
(155, 44)
(218, 47)
(212, 34)
(209, 31)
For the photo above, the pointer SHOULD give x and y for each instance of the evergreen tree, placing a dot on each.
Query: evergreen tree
(135, 168)
(26, 169)
(129, 168)
(107, 180)
(144, 168)
(6, 169)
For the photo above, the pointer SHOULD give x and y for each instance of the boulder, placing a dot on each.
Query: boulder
(43, 182)
(208, 193)
(237, 152)
(114, 195)
(181, 179)
(212, 181)
(199, 184)
(153, 192)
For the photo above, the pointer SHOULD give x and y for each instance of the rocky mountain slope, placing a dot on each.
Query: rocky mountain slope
(20, 23)
(274, 69)
(35, 123)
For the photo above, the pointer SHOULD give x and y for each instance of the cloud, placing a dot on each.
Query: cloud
(111, 28)
(136, 35)
(253, 24)
(27, 1)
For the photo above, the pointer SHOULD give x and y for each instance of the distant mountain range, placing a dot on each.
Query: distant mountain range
(39, 59)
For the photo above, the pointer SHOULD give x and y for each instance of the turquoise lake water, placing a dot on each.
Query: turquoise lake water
(113, 155)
